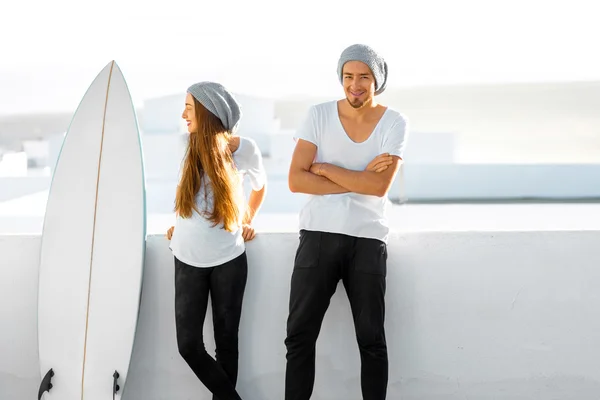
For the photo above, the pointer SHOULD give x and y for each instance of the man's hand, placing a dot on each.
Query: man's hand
(248, 232)
(380, 163)
(170, 233)
(373, 182)
(302, 176)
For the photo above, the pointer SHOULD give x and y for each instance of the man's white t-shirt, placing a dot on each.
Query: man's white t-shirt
(195, 241)
(351, 214)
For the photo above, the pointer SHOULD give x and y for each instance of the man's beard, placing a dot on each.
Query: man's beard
(357, 104)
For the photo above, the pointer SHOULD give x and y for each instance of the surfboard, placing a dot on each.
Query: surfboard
(92, 249)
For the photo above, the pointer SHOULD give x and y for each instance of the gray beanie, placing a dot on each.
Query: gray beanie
(365, 54)
(216, 99)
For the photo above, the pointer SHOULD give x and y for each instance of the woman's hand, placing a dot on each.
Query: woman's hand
(248, 232)
(170, 233)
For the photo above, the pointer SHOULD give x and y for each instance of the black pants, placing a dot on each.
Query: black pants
(322, 259)
(226, 284)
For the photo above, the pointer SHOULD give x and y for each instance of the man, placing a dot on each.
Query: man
(358, 146)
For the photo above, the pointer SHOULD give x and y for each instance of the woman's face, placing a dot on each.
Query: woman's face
(189, 114)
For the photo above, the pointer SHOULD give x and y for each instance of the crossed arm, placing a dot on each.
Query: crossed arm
(322, 178)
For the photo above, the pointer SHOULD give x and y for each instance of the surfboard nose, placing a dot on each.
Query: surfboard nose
(110, 65)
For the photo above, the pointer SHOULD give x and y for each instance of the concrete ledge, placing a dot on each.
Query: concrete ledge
(480, 315)
(497, 181)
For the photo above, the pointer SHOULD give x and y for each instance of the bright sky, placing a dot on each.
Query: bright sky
(50, 51)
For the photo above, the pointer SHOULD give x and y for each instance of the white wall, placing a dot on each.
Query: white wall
(479, 315)
(489, 181)
(54, 147)
(13, 164)
(258, 115)
(163, 155)
(17, 186)
(431, 148)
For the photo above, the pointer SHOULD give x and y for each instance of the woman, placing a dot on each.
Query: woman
(208, 238)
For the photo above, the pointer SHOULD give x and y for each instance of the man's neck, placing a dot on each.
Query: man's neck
(358, 114)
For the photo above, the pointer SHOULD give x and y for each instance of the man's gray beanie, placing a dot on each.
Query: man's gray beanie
(216, 99)
(365, 54)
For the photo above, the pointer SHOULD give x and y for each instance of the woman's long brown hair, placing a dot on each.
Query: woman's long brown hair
(208, 154)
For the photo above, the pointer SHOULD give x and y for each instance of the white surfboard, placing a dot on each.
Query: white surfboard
(92, 250)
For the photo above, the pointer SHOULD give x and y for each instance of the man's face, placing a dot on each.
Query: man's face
(359, 83)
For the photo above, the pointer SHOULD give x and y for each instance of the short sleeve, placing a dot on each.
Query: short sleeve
(395, 140)
(308, 128)
(255, 168)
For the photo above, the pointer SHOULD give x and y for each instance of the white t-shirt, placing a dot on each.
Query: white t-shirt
(351, 214)
(195, 241)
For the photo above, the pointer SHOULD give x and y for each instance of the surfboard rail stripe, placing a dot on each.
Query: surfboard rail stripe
(87, 315)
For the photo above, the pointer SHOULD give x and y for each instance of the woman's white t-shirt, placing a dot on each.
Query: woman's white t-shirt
(195, 241)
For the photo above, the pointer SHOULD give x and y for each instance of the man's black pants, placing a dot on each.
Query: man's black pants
(322, 259)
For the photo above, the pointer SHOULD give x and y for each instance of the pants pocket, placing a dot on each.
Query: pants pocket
(309, 250)
(370, 256)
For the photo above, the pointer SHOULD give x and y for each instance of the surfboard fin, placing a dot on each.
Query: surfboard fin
(46, 385)
(115, 386)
